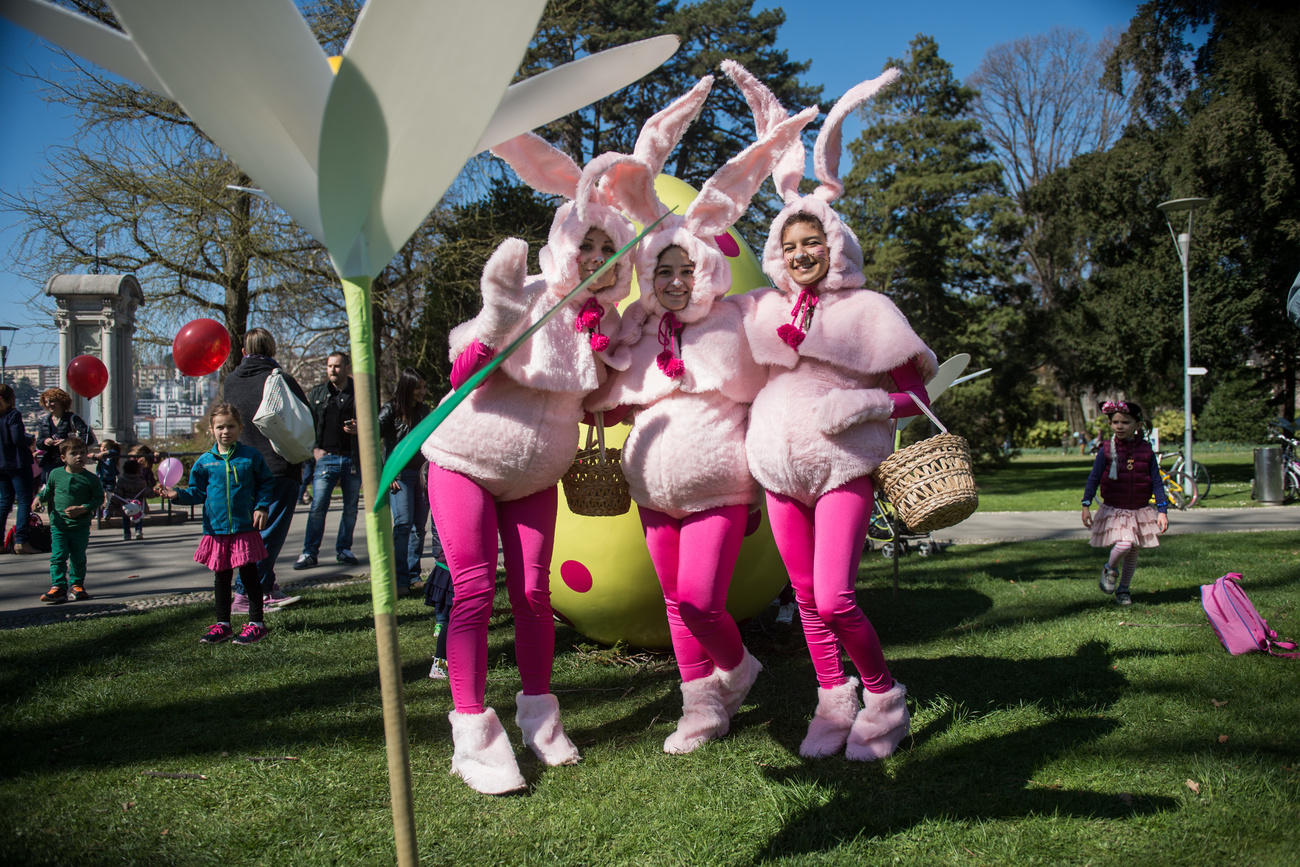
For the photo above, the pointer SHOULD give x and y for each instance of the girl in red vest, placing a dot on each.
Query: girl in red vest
(1127, 471)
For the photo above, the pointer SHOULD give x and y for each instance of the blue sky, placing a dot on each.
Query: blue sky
(847, 41)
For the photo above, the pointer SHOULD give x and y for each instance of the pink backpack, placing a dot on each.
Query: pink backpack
(1238, 624)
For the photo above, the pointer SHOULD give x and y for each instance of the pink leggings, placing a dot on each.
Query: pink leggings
(694, 557)
(821, 546)
(469, 520)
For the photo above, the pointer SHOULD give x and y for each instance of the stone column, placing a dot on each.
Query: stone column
(102, 306)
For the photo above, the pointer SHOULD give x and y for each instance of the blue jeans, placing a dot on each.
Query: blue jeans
(333, 470)
(410, 516)
(16, 494)
(278, 520)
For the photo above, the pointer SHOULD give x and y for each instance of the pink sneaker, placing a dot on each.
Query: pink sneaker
(251, 634)
(217, 633)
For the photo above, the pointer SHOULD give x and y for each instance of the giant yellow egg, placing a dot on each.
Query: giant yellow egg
(602, 580)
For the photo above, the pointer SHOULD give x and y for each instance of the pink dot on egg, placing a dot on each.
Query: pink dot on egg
(727, 245)
(576, 576)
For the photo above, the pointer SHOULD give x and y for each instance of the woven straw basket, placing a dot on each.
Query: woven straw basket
(930, 483)
(595, 484)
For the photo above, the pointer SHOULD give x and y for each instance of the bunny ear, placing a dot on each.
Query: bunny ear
(768, 112)
(725, 196)
(540, 164)
(626, 183)
(664, 130)
(826, 153)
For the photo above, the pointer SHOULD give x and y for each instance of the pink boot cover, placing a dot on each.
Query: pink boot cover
(538, 717)
(735, 684)
(703, 716)
(881, 725)
(483, 757)
(836, 709)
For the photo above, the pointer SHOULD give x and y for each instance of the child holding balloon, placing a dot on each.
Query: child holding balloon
(233, 483)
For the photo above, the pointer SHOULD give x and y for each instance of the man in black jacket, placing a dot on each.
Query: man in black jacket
(334, 408)
(242, 389)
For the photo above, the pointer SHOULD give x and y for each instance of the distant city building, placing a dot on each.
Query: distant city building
(41, 376)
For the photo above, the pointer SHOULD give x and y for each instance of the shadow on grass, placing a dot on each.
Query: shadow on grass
(991, 778)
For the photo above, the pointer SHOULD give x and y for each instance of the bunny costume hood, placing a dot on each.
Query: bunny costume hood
(629, 179)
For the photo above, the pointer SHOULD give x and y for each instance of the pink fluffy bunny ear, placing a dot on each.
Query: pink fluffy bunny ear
(826, 153)
(725, 196)
(768, 112)
(541, 165)
(628, 181)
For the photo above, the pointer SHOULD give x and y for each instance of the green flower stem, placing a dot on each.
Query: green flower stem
(379, 543)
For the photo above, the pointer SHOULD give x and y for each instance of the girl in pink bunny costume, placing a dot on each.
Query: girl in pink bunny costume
(495, 463)
(683, 365)
(841, 358)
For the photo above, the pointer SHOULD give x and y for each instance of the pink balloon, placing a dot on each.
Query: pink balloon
(201, 347)
(87, 375)
(169, 472)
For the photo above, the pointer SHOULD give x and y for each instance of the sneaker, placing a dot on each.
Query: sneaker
(1109, 578)
(55, 595)
(439, 669)
(79, 592)
(785, 614)
(251, 634)
(25, 548)
(1122, 597)
(240, 604)
(217, 633)
(417, 587)
(306, 561)
(345, 557)
(139, 534)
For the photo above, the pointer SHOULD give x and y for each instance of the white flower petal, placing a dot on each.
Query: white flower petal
(104, 46)
(252, 76)
(544, 97)
(418, 83)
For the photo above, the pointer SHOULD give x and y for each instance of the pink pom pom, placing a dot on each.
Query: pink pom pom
(586, 320)
(791, 335)
(670, 364)
(599, 342)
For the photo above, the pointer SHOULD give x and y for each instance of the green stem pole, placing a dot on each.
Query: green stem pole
(383, 589)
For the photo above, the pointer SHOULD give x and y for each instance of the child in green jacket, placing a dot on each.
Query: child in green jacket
(71, 495)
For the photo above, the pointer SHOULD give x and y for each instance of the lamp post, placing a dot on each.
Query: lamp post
(6, 339)
(1183, 242)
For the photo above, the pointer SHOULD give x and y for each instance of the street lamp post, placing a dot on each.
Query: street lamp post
(1183, 242)
(7, 333)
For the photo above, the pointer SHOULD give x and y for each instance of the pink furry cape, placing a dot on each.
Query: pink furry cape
(857, 329)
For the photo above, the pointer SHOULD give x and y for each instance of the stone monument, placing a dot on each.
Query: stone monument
(96, 316)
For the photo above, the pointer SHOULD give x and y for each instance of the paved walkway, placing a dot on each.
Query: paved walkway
(159, 569)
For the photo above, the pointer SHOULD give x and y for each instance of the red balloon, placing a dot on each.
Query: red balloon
(201, 347)
(87, 375)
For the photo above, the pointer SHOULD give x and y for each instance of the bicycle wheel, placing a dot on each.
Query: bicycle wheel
(1291, 484)
(1201, 475)
(1181, 490)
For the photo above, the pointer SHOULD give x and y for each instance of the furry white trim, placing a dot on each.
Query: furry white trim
(829, 730)
(880, 726)
(538, 717)
(483, 757)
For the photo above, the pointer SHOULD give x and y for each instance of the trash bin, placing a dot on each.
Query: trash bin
(1267, 487)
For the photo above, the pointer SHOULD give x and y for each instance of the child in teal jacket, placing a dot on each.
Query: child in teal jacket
(233, 483)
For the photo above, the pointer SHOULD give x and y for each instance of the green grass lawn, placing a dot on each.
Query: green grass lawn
(1050, 726)
(1049, 480)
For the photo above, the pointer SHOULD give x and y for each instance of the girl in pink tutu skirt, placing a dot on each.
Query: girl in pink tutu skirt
(233, 483)
(1127, 471)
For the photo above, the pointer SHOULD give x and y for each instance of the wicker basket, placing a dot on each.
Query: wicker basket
(595, 484)
(930, 483)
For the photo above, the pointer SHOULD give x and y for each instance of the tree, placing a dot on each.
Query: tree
(938, 234)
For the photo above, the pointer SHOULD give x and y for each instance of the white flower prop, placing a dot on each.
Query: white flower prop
(358, 159)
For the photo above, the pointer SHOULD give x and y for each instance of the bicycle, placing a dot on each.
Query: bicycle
(1200, 473)
(1290, 464)
(1180, 489)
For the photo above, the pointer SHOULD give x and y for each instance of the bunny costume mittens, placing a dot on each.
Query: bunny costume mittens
(505, 292)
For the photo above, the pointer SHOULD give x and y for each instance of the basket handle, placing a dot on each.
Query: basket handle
(925, 409)
(599, 430)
